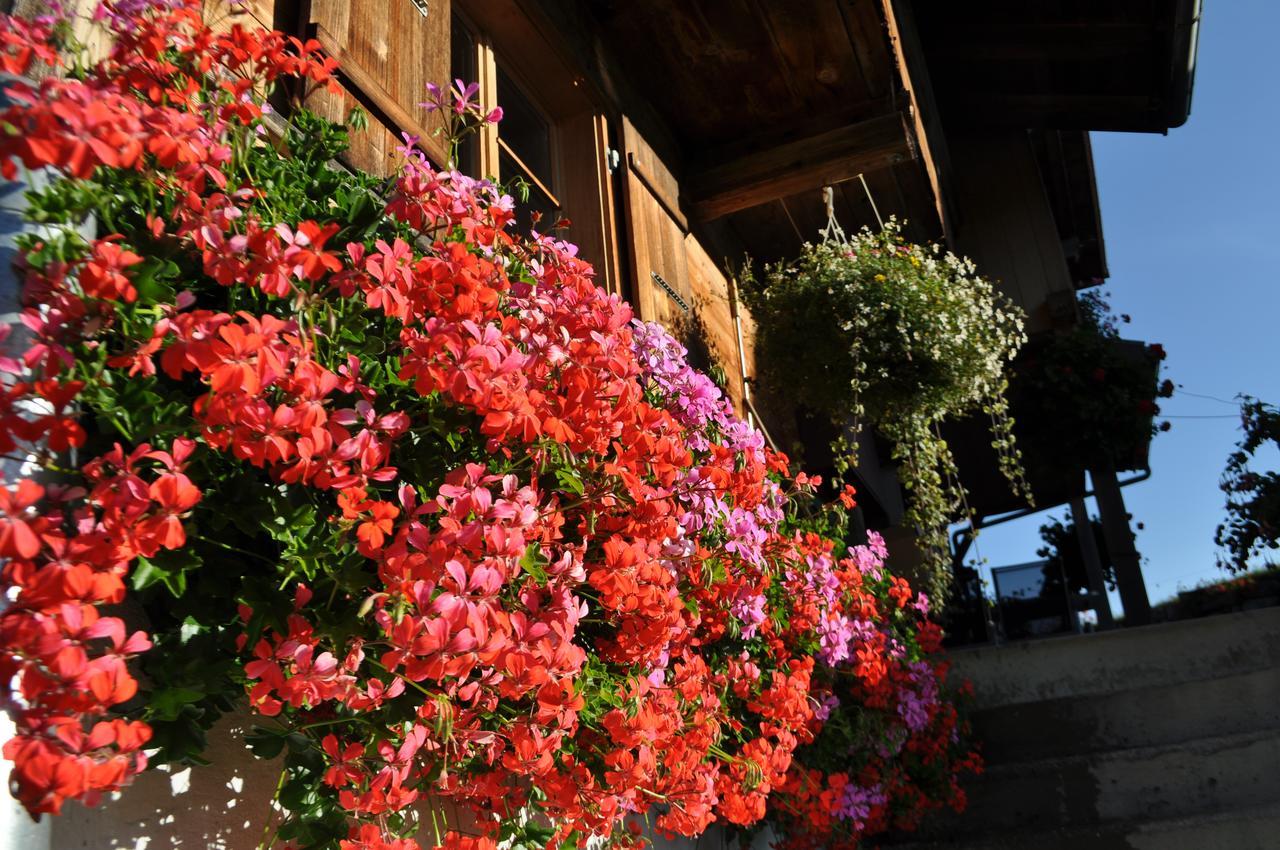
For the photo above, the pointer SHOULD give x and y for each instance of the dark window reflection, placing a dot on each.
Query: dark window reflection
(524, 129)
(462, 61)
(538, 199)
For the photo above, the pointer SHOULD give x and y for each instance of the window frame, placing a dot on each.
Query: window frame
(550, 185)
(487, 60)
(532, 54)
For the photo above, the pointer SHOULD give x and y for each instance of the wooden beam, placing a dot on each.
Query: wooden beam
(821, 160)
(913, 71)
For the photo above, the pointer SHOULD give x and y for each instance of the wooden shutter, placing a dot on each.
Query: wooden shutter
(220, 15)
(389, 50)
(676, 282)
(583, 143)
(722, 326)
(656, 229)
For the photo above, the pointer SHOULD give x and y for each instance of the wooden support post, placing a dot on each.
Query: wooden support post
(1092, 563)
(1120, 545)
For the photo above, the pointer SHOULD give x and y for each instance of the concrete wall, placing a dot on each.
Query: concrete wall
(1125, 659)
(1155, 738)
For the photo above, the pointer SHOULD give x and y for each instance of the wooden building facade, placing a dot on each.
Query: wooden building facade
(679, 137)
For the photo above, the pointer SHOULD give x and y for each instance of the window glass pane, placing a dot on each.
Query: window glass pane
(538, 199)
(462, 60)
(524, 130)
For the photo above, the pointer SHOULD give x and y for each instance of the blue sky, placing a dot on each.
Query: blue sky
(1191, 224)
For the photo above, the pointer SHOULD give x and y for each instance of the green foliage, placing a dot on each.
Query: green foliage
(1252, 526)
(882, 333)
(256, 538)
(1086, 397)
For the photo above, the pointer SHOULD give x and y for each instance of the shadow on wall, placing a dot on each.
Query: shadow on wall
(227, 805)
(224, 805)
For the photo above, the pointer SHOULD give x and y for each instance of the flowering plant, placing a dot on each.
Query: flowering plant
(1085, 397)
(1251, 529)
(899, 337)
(407, 483)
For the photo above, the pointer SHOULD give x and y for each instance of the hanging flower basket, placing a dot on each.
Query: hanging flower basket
(882, 333)
(1084, 397)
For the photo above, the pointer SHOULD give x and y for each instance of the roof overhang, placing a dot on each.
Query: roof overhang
(1126, 65)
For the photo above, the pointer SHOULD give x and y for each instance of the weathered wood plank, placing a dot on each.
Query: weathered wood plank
(712, 318)
(925, 117)
(658, 180)
(825, 159)
(656, 239)
(220, 15)
(389, 51)
(588, 194)
(815, 53)
(717, 71)
(1008, 226)
(866, 33)
(372, 149)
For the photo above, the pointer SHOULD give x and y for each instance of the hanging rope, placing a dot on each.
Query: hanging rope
(874, 209)
(833, 232)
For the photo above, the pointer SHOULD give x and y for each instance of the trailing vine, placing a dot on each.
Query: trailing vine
(1251, 528)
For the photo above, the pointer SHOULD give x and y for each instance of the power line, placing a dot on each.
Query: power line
(1186, 416)
(1182, 391)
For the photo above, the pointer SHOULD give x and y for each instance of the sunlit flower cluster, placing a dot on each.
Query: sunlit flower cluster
(464, 529)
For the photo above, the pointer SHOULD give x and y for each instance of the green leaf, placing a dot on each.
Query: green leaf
(167, 567)
(570, 481)
(145, 574)
(168, 703)
(189, 629)
(534, 563)
(265, 743)
(152, 278)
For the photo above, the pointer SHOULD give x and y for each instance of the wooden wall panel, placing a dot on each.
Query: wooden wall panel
(388, 51)
(373, 149)
(929, 134)
(699, 310)
(516, 35)
(1007, 222)
(712, 318)
(220, 15)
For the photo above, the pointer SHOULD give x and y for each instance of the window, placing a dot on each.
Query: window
(522, 150)
(463, 54)
(553, 135)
